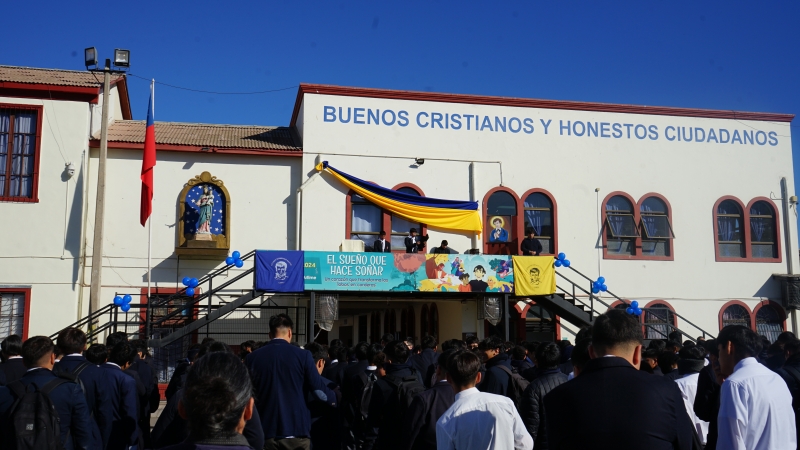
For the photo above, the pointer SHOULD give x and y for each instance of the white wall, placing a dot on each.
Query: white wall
(691, 175)
(41, 247)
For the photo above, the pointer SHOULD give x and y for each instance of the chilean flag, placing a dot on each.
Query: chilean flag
(148, 160)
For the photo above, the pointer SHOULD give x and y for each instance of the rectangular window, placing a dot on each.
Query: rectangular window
(19, 152)
(12, 312)
(366, 220)
(762, 237)
(656, 233)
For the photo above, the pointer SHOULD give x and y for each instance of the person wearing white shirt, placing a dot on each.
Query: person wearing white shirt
(755, 410)
(689, 367)
(478, 420)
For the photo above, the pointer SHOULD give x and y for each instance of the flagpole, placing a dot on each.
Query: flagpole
(150, 224)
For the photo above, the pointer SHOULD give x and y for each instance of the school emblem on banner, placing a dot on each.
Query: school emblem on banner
(534, 275)
(279, 271)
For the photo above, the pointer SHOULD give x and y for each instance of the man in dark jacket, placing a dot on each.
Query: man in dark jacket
(72, 343)
(530, 245)
(612, 405)
(75, 423)
(497, 380)
(425, 359)
(324, 417)
(352, 429)
(283, 376)
(532, 405)
(419, 425)
(123, 395)
(520, 361)
(334, 370)
(12, 367)
(383, 431)
(791, 374)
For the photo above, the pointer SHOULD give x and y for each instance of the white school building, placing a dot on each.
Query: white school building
(679, 209)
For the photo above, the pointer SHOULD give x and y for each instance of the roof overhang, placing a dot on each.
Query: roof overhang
(67, 93)
(95, 143)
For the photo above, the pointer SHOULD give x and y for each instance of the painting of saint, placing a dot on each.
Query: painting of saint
(205, 205)
(498, 233)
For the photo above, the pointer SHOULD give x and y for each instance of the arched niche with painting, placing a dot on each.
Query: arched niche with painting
(204, 212)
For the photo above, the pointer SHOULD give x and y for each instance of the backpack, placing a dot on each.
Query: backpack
(33, 422)
(517, 385)
(366, 395)
(406, 388)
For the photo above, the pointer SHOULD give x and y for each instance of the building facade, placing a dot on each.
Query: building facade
(678, 209)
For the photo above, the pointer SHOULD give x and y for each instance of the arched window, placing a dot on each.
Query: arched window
(656, 229)
(763, 238)
(730, 232)
(539, 215)
(658, 321)
(400, 226)
(620, 226)
(769, 322)
(434, 325)
(424, 325)
(366, 220)
(500, 229)
(735, 314)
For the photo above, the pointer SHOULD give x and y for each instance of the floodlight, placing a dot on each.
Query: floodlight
(122, 58)
(90, 57)
(419, 161)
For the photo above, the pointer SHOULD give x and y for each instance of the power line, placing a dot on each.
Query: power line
(214, 92)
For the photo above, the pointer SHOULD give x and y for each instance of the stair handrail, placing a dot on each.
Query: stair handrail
(182, 293)
(87, 320)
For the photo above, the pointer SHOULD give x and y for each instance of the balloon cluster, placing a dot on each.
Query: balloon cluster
(561, 260)
(599, 285)
(124, 302)
(235, 259)
(634, 309)
(190, 284)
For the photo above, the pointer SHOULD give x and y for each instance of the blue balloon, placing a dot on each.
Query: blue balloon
(566, 263)
(595, 290)
(595, 285)
(629, 310)
(558, 263)
(562, 256)
(186, 281)
(603, 287)
(236, 254)
(194, 283)
(127, 299)
(601, 280)
(190, 291)
(638, 312)
(634, 304)
(229, 260)
(126, 307)
(239, 263)
(118, 300)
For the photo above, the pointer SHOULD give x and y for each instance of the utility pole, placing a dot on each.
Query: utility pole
(100, 205)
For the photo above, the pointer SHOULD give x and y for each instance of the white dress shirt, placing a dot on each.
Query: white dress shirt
(755, 411)
(478, 421)
(688, 386)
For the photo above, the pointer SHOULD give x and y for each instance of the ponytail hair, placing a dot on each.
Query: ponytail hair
(218, 388)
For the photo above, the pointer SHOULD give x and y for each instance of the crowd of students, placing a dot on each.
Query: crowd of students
(738, 391)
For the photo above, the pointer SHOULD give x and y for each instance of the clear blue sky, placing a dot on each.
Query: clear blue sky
(721, 55)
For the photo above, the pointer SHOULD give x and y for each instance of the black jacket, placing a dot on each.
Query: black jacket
(706, 403)
(382, 428)
(791, 375)
(178, 379)
(611, 405)
(422, 364)
(377, 247)
(335, 372)
(419, 424)
(496, 379)
(529, 245)
(415, 244)
(521, 365)
(96, 391)
(11, 370)
(532, 407)
(325, 433)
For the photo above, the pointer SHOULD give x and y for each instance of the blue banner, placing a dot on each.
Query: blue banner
(279, 271)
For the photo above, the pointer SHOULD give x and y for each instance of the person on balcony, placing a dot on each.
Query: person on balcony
(442, 248)
(530, 245)
(415, 243)
(382, 245)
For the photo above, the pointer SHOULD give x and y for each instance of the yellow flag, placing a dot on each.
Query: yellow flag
(534, 275)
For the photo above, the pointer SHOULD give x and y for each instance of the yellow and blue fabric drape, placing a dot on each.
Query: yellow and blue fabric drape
(438, 213)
